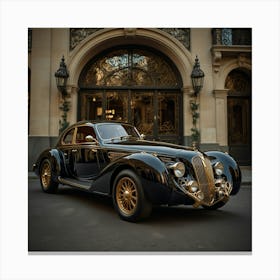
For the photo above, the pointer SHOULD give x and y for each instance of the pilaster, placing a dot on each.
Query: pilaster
(221, 116)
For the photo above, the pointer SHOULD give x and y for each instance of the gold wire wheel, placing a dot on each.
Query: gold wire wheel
(126, 195)
(46, 174)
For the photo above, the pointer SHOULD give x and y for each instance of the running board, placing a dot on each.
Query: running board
(75, 183)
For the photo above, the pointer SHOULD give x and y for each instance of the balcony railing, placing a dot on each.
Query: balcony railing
(232, 36)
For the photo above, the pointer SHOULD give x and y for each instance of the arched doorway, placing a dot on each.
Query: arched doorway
(240, 115)
(134, 84)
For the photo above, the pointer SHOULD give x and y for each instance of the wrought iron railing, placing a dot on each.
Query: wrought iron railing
(232, 36)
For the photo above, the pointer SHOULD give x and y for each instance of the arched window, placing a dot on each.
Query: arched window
(130, 67)
(136, 85)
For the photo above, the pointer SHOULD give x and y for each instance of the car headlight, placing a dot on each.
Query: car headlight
(178, 169)
(218, 168)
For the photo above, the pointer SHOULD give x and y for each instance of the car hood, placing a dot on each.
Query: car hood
(154, 147)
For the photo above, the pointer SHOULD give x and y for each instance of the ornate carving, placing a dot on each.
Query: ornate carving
(227, 36)
(217, 58)
(79, 34)
(130, 32)
(181, 34)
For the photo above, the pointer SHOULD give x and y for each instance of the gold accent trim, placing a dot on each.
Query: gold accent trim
(205, 178)
(126, 195)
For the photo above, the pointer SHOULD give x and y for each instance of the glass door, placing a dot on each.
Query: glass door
(155, 114)
(169, 111)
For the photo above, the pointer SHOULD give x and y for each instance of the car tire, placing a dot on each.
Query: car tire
(46, 177)
(216, 206)
(129, 197)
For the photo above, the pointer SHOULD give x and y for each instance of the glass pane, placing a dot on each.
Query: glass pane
(142, 111)
(117, 106)
(168, 118)
(130, 67)
(93, 106)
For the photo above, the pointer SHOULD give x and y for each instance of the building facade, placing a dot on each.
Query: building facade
(143, 76)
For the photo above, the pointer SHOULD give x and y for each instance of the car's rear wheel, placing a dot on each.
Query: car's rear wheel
(129, 198)
(46, 177)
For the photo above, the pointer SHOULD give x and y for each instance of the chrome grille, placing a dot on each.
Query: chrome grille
(205, 178)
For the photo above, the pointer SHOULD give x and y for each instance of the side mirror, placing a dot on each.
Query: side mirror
(90, 138)
(142, 136)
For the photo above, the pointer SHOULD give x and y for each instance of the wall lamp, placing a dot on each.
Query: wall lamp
(61, 76)
(197, 77)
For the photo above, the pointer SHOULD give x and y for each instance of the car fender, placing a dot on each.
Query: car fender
(151, 170)
(56, 159)
(153, 174)
(231, 168)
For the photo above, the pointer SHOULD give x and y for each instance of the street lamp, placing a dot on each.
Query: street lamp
(61, 76)
(197, 77)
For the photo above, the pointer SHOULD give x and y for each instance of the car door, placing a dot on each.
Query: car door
(66, 147)
(87, 161)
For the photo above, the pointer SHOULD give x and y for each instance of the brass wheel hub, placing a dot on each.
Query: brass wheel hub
(126, 195)
(46, 175)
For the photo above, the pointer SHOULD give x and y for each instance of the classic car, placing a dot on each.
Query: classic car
(113, 159)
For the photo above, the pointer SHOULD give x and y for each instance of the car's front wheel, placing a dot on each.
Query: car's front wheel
(129, 198)
(46, 179)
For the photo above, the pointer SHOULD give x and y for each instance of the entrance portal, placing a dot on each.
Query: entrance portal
(239, 116)
(135, 85)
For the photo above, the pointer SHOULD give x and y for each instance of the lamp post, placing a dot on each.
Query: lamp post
(61, 76)
(197, 77)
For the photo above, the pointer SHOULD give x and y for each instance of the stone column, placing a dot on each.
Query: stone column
(73, 112)
(221, 116)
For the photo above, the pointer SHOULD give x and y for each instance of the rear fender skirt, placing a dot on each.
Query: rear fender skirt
(231, 169)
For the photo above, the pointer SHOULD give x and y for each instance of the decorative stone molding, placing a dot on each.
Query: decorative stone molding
(181, 34)
(242, 60)
(241, 53)
(130, 32)
(217, 58)
(79, 34)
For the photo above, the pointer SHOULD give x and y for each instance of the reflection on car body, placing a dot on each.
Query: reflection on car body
(112, 159)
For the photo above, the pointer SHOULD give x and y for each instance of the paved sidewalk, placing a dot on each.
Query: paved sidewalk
(245, 170)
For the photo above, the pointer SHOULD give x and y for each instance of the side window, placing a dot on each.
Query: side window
(68, 137)
(84, 131)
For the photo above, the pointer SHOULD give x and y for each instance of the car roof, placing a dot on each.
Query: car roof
(90, 122)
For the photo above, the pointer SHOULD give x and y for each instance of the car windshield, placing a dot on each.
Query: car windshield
(111, 131)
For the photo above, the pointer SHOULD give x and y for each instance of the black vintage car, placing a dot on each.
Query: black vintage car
(112, 159)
